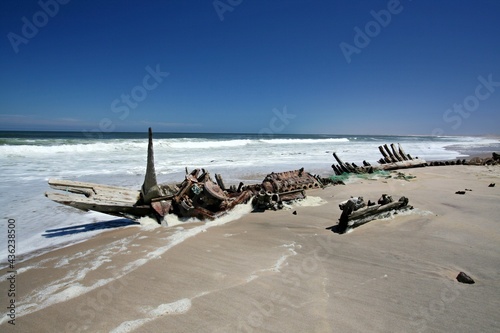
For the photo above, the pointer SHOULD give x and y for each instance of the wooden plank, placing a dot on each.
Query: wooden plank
(351, 218)
(374, 210)
(341, 164)
(220, 181)
(96, 191)
(111, 207)
(395, 153)
(389, 152)
(402, 152)
(403, 165)
(384, 154)
(69, 183)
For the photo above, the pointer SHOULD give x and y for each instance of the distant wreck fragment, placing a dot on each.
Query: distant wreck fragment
(197, 196)
(493, 160)
(393, 158)
(356, 212)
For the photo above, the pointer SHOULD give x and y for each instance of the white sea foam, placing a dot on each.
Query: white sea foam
(304, 141)
(282, 260)
(310, 201)
(201, 144)
(178, 307)
(147, 223)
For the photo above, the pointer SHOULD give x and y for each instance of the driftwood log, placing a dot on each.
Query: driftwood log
(356, 212)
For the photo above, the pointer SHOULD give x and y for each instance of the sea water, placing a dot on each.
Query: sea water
(29, 159)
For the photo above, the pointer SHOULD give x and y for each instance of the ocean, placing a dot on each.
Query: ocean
(30, 159)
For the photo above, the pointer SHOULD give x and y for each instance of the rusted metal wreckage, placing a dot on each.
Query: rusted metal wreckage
(197, 196)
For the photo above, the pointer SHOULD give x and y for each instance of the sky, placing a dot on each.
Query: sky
(420, 67)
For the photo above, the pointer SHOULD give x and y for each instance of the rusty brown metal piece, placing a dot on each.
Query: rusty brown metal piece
(214, 190)
(162, 207)
(283, 186)
(199, 196)
(290, 181)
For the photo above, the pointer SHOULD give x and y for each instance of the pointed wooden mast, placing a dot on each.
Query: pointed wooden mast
(150, 183)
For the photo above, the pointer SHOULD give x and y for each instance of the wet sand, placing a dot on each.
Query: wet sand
(282, 272)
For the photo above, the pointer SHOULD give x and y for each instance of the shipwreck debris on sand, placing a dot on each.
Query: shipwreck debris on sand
(356, 212)
(197, 196)
(392, 159)
(395, 158)
(283, 186)
(493, 160)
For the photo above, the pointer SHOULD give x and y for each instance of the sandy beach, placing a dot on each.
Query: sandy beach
(282, 272)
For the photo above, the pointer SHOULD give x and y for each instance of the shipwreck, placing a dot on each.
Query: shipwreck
(198, 195)
(203, 197)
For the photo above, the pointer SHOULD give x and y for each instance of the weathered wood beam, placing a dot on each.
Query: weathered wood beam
(220, 181)
(352, 216)
(396, 153)
(386, 158)
(341, 164)
(402, 152)
(389, 152)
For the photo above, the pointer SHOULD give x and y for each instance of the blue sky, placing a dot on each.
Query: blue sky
(337, 67)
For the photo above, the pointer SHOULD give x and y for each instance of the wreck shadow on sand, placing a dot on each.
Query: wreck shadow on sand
(76, 229)
(334, 229)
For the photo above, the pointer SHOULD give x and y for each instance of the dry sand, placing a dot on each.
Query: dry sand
(280, 272)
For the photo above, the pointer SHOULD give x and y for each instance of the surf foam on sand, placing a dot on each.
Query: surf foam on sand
(58, 291)
(178, 307)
